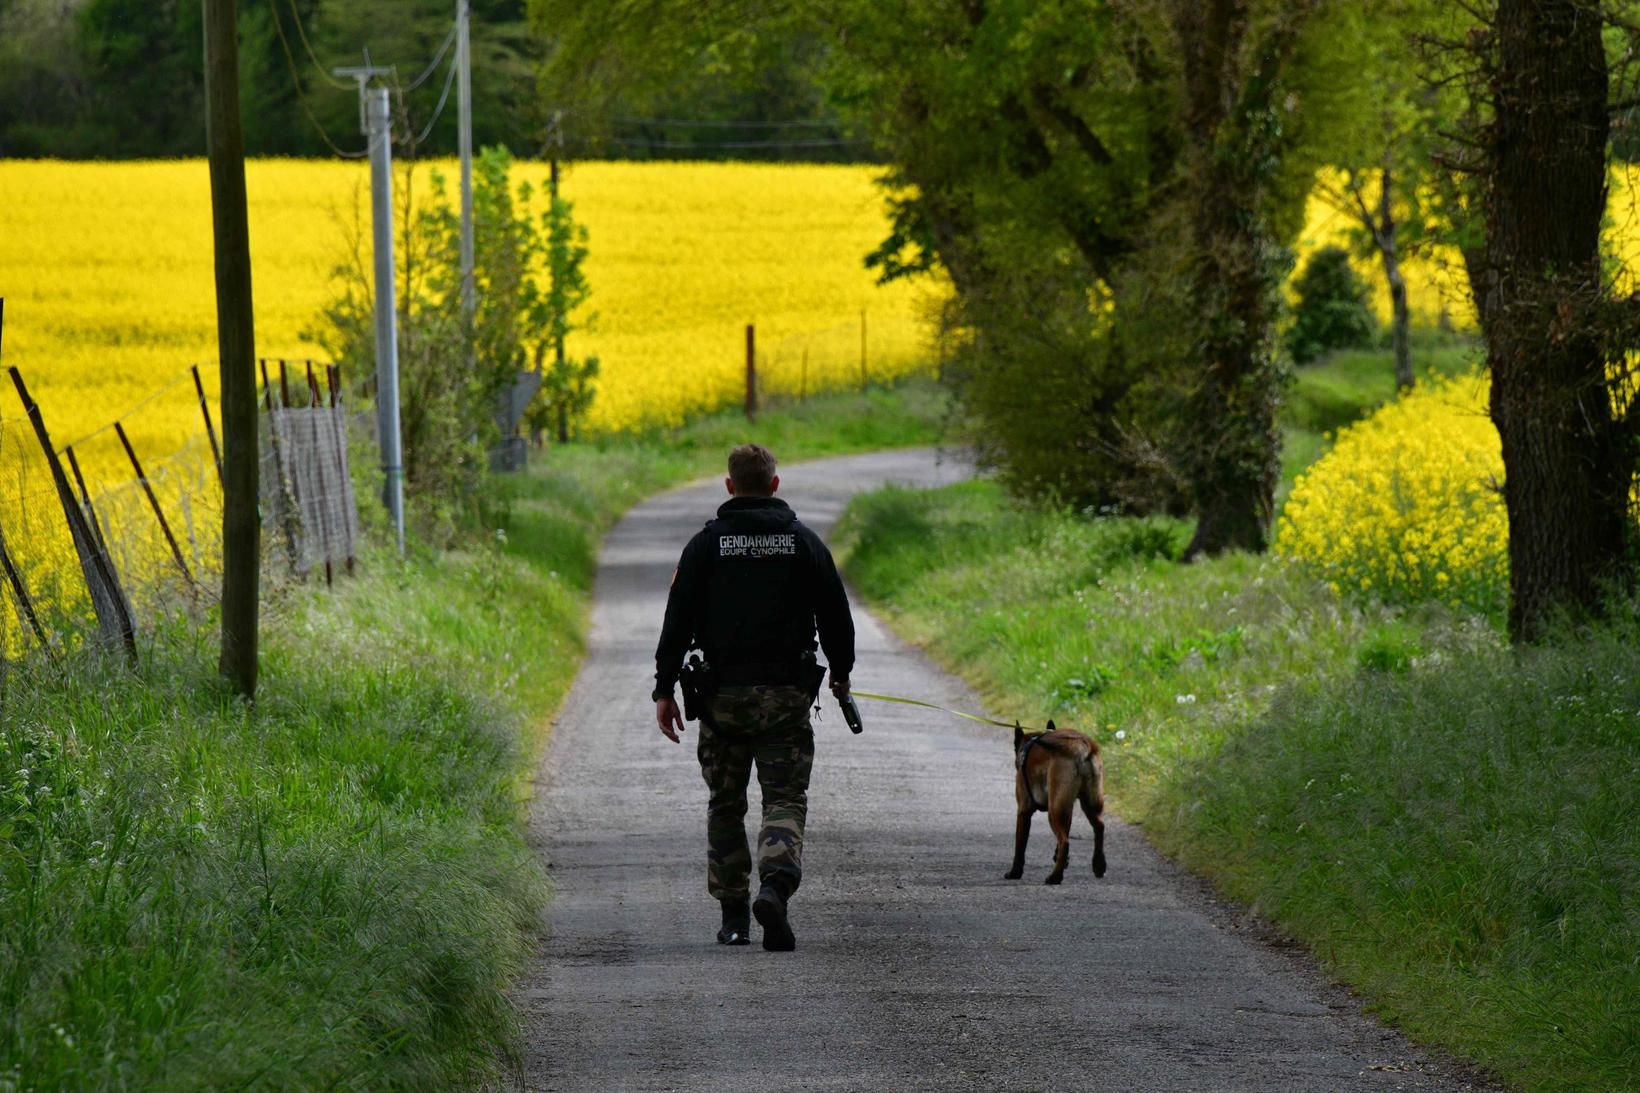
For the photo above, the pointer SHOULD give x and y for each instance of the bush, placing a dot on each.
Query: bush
(1405, 508)
(1332, 311)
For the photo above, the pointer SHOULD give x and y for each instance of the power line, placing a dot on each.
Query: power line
(840, 142)
(443, 97)
(301, 96)
(437, 57)
(818, 123)
(296, 18)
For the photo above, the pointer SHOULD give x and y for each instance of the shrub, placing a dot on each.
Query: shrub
(1332, 311)
(1405, 507)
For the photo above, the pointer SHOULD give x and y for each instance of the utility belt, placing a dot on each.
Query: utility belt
(699, 681)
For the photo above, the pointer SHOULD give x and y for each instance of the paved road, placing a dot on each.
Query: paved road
(918, 966)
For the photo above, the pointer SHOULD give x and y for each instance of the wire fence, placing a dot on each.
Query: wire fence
(120, 528)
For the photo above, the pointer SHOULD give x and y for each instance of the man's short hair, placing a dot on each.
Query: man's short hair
(751, 468)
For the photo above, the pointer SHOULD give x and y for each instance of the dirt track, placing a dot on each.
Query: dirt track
(918, 966)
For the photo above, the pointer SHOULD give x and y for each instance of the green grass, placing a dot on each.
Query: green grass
(1346, 385)
(329, 889)
(1448, 823)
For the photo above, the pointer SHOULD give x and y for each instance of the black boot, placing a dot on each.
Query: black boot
(737, 923)
(770, 909)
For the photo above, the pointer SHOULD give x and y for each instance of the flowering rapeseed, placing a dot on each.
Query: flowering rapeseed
(1405, 505)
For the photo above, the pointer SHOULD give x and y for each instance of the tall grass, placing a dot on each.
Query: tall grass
(1447, 822)
(330, 888)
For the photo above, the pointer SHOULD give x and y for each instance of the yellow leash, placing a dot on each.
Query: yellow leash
(942, 709)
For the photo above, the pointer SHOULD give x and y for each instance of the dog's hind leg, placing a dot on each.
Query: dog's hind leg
(1022, 832)
(1093, 808)
(1059, 818)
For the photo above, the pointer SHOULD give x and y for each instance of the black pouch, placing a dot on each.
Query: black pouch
(810, 676)
(699, 683)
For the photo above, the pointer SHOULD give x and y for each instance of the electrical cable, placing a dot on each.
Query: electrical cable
(632, 142)
(296, 18)
(449, 39)
(301, 96)
(443, 97)
(817, 123)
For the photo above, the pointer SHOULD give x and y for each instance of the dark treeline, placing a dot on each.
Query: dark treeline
(84, 79)
(120, 79)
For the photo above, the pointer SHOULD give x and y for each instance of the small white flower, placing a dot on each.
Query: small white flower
(1185, 700)
(501, 535)
(1121, 734)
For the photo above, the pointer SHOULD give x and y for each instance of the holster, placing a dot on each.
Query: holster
(699, 683)
(811, 675)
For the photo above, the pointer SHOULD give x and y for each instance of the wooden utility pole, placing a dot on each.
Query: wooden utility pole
(236, 344)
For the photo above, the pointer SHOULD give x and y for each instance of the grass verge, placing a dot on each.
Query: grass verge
(329, 888)
(1446, 822)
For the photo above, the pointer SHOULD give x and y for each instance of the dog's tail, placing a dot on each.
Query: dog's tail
(1093, 784)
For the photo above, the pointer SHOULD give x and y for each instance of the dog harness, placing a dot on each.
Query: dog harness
(1024, 756)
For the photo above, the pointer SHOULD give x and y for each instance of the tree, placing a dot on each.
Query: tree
(121, 78)
(566, 388)
(1332, 311)
(1557, 340)
(448, 396)
(1070, 164)
(659, 79)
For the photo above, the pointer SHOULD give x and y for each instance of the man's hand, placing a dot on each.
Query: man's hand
(669, 718)
(839, 687)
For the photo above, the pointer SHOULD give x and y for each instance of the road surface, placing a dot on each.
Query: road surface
(918, 966)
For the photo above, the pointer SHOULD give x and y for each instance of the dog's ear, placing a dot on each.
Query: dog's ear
(1019, 737)
(1050, 724)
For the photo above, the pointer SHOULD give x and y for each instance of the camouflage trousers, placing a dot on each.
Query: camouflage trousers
(768, 726)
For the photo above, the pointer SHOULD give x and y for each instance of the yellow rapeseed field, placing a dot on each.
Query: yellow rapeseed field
(1404, 507)
(106, 270)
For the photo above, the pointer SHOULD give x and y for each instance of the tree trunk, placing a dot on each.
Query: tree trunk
(1232, 458)
(236, 342)
(1567, 480)
(1231, 452)
(1385, 232)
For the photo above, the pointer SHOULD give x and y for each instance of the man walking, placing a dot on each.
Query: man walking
(750, 591)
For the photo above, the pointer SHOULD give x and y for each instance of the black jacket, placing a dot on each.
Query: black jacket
(751, 589)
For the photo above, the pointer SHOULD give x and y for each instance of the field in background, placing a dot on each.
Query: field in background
(107, 273)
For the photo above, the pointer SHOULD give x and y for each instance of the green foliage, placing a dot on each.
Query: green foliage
(449, 394)
(1389, 647)
(124, 78)
(729, 79)
(1447, 823)
(330, 887)
(1332, 310)
(566, 386)
(1380, 817)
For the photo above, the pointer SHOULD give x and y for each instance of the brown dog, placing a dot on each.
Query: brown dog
(1055, 770)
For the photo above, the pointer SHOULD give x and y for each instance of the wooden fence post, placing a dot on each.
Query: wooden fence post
(98, 571)
(85, 496)
(862, 349)
(751, 372)
(153, 503)
(333, 376)
(287, 501)
(210, 430)
(24, 604)
(319, 469)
